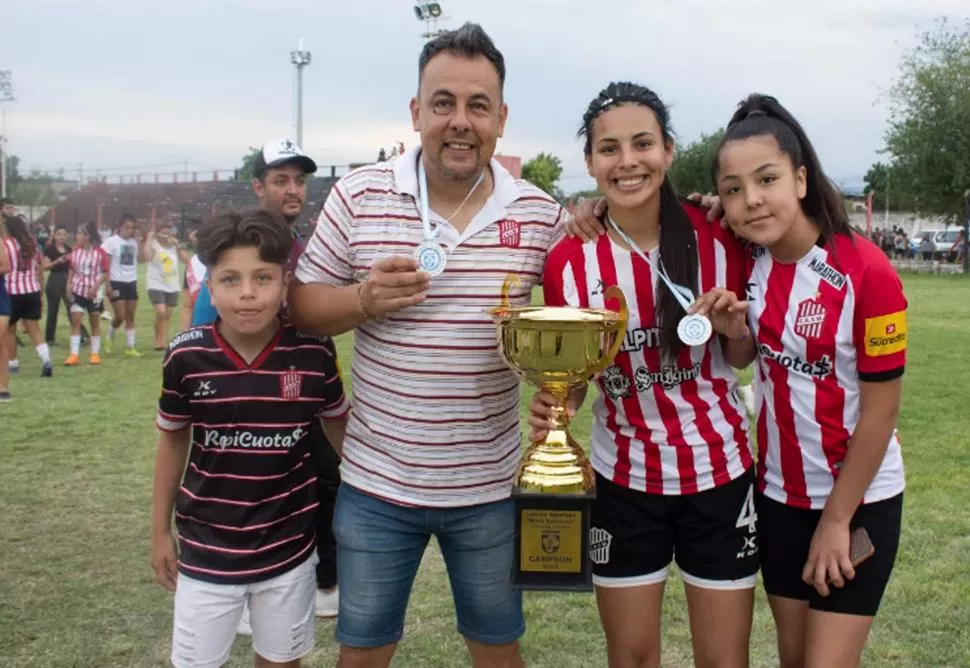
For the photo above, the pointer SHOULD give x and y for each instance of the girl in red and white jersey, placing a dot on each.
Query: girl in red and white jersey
(87, 279)
(828, 316)
(674, 470)
(24, 284)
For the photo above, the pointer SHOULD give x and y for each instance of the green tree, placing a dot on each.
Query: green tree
(32, 193)
(544, 172)
(691, 169)
(929, 125)
(245, 171)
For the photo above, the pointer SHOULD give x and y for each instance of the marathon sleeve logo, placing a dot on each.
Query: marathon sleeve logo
(827, 273)
(886, 334)
(191, 335)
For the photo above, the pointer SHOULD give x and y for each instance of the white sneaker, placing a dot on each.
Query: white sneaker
(244, 629)
(328, 602)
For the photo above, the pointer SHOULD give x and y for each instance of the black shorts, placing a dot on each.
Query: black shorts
(124, 292)
(786, 536)
(711, 535)
(25, 307)
(85, 305)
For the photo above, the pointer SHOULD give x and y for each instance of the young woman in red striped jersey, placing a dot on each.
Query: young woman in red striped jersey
(24, 284)
(88, 275)
(674, 470)
(828, 317)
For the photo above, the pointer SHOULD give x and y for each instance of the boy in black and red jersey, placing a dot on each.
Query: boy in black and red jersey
(238, 398)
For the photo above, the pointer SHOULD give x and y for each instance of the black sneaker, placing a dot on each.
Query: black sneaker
(5, 397)
(47, 371)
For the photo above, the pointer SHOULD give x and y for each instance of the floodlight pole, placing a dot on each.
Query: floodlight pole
(6, 96)
(301, 59)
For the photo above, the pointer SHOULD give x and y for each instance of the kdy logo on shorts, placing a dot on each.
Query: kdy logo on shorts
(291, 383)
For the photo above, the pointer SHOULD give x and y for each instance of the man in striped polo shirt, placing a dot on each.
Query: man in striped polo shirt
(433, 439)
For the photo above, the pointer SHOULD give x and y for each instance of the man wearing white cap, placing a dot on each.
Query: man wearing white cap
(279, 181)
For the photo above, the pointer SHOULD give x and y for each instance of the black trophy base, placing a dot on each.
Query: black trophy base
(552, 541)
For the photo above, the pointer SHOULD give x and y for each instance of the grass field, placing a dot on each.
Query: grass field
(76, 588)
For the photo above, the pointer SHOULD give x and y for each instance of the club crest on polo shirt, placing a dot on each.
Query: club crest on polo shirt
(810, 319)
(291, 383)
(827, 273)
(509, 233)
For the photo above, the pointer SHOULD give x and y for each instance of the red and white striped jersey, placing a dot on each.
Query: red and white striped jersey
(435, 419)
(658, 427)
(823, 324)
(22, 279)
(89, 266)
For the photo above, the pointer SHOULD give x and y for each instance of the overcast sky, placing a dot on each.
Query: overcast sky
(138, 83)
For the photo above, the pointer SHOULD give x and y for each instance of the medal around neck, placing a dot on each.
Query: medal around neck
(431, 258)
(694, 330)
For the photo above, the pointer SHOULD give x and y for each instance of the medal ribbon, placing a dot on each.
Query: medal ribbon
(683, 294)
(431, 231)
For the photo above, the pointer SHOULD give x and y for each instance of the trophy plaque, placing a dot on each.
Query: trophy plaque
(556, 349)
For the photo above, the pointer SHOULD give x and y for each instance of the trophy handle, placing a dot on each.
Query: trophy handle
(616, 293)
(512, 280)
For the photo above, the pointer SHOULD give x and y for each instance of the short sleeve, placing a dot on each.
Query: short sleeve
(560, 284)
(174, 410)
(105, 261)
(335, 403)
(879, 328)
(327, 258)
(72, 259)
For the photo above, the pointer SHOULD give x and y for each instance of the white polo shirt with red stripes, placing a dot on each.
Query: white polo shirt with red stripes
(22, 279)
(435, 417)
(660, 427)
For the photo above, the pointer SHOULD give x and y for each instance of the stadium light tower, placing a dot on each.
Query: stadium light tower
(430, 13)
(6, 96)
(301, 59)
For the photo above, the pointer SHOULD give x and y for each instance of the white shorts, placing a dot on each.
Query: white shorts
(281, 613)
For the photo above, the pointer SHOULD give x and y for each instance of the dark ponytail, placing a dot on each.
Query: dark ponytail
(18, 230)
(91, 229)
(760, 115)
(678, 241)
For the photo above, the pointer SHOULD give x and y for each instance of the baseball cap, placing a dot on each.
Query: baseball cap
(281, 152)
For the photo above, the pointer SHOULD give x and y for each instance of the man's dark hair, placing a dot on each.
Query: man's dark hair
(469, 41)
(262, 229)
(4, 201)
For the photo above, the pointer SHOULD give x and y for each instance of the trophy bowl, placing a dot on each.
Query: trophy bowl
(557, 349)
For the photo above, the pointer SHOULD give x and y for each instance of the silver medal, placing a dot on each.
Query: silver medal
(694, 330)
(431, 258)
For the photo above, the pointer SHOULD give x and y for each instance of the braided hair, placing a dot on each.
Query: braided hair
(678, 242)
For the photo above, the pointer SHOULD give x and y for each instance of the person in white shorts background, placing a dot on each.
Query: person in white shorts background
(125, 256)
(164, 254)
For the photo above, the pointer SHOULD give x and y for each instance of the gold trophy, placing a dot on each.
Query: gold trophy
(556, 349)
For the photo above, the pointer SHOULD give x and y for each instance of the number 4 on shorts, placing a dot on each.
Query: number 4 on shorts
(749, 516)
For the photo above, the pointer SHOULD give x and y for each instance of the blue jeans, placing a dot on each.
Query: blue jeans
(379, 548)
